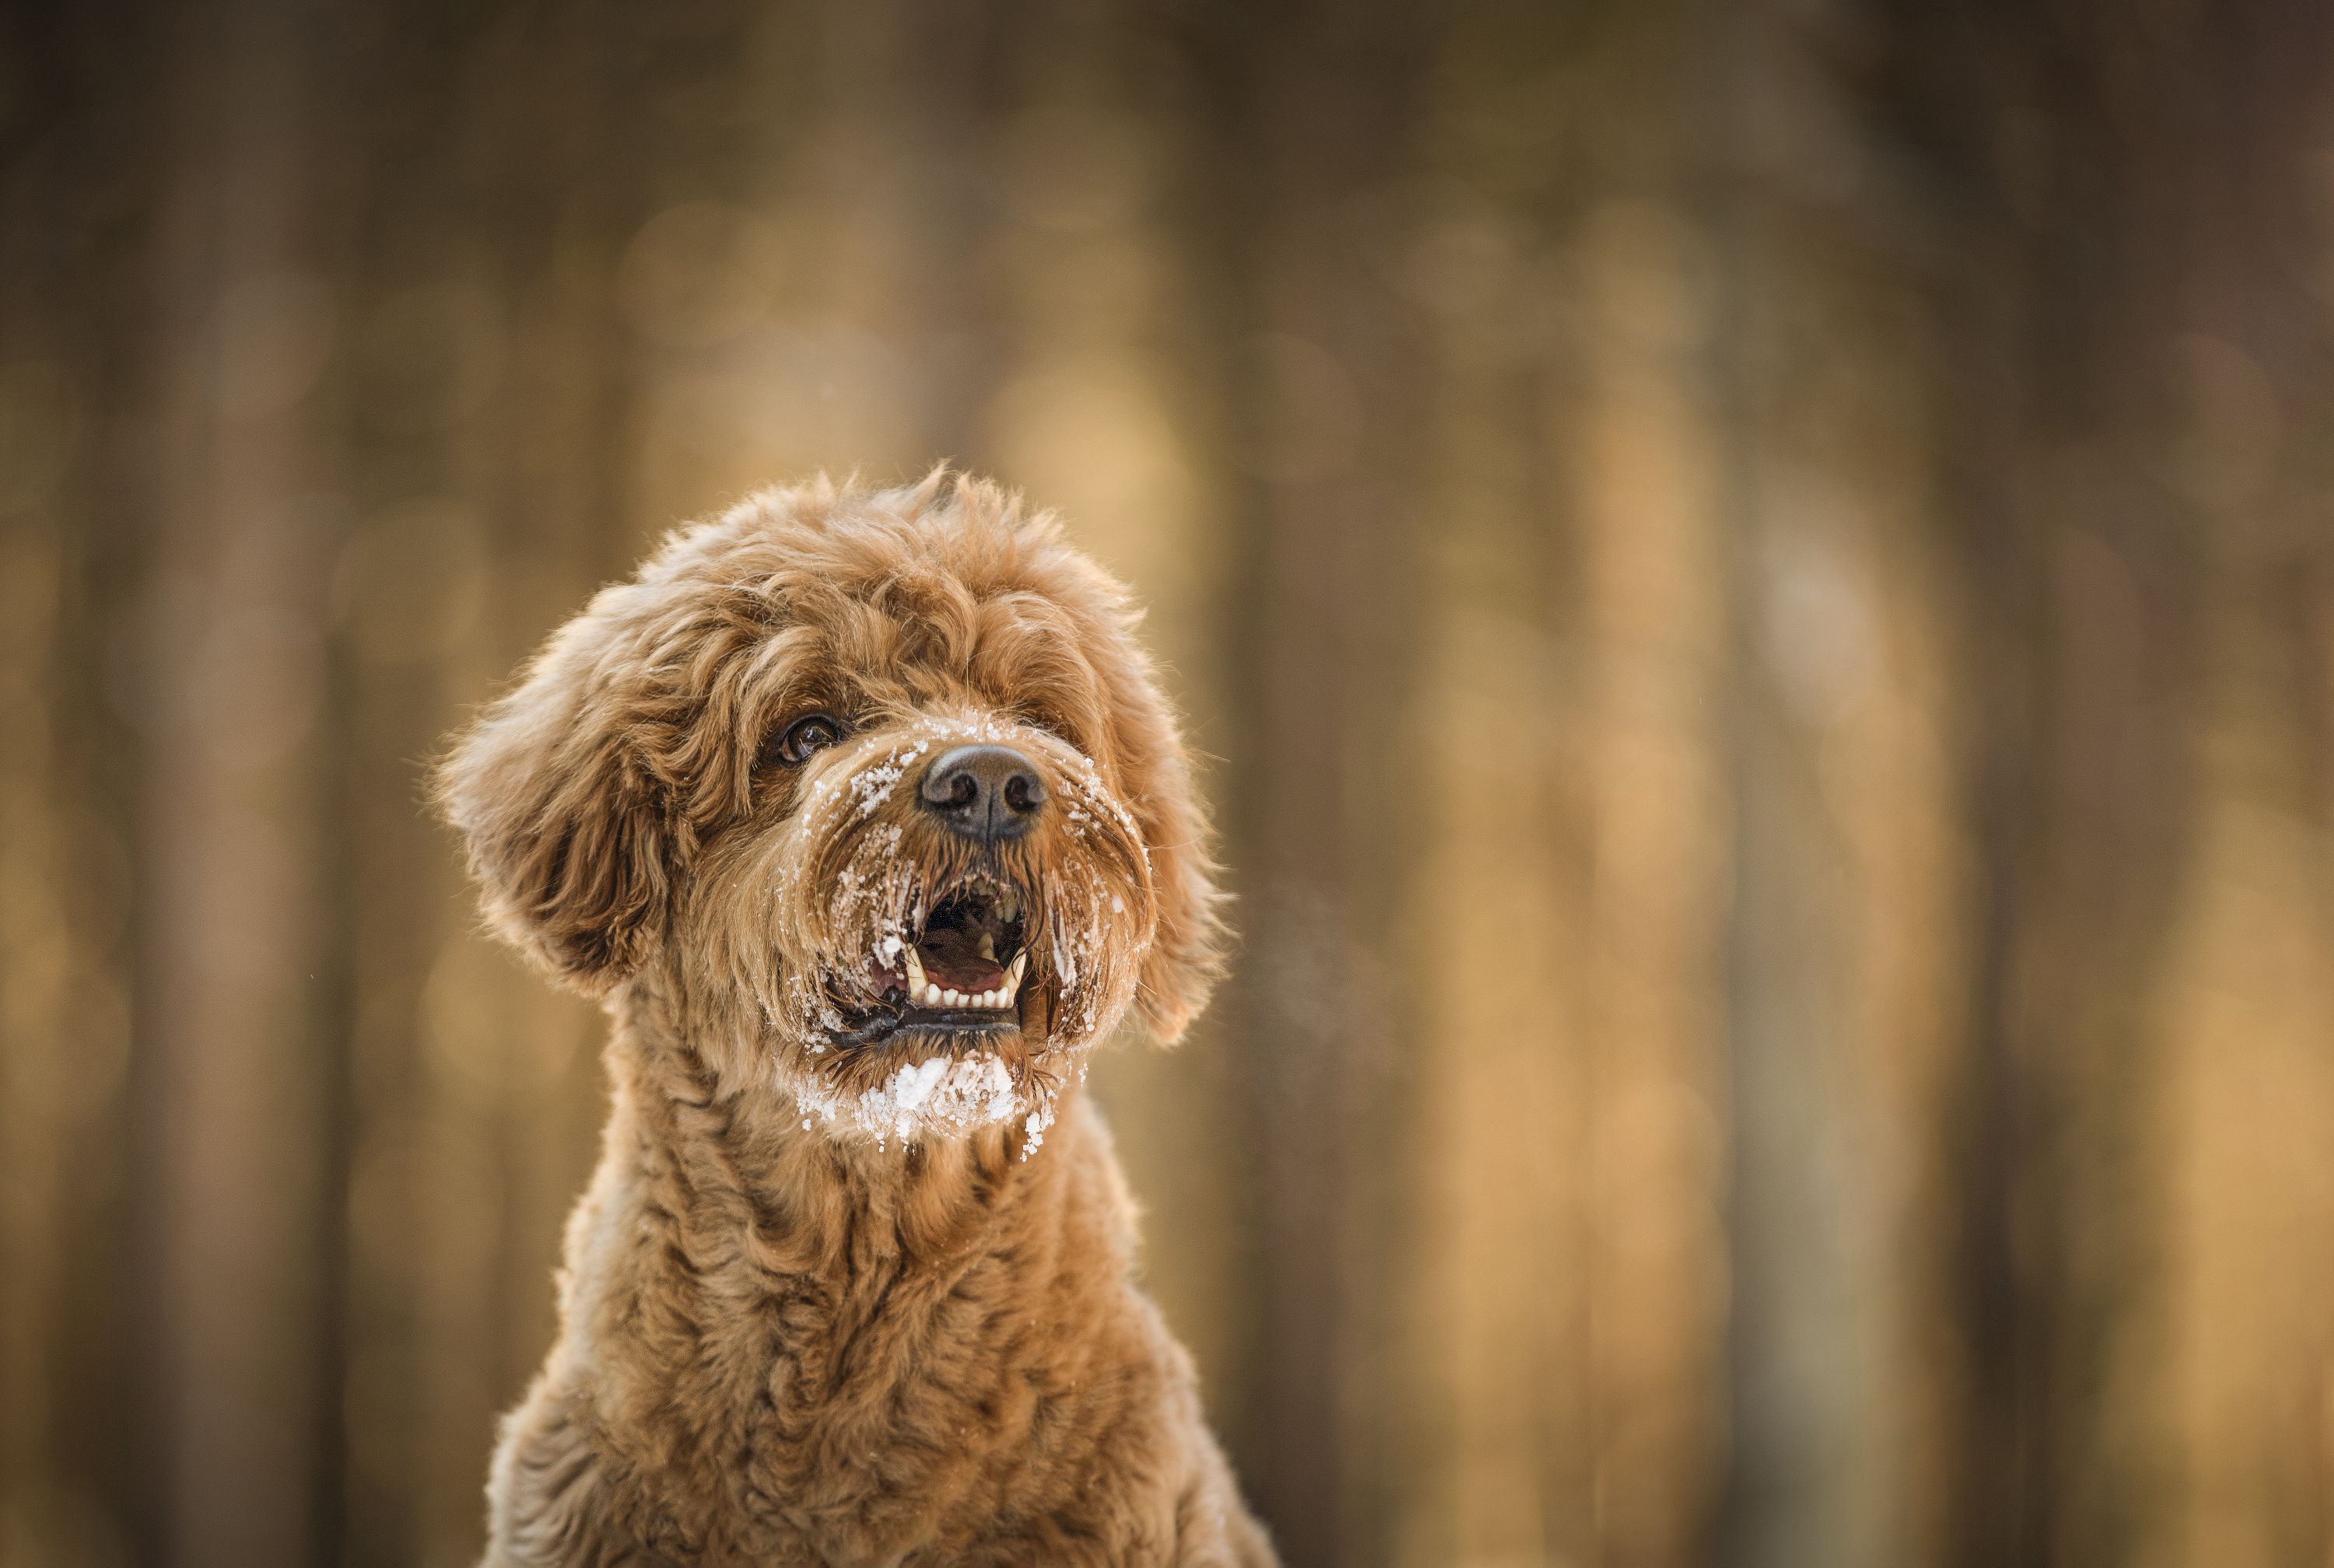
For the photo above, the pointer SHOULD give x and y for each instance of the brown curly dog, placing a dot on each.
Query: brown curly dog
(863, 813)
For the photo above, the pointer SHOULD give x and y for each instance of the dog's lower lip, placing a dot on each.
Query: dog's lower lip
(881, 1024)
(888, 1018)
(957, 1021)
(961, 1021)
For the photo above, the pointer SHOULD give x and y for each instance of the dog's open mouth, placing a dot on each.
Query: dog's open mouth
(964, 971)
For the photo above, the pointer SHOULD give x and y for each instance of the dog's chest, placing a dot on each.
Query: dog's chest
(889, 1407)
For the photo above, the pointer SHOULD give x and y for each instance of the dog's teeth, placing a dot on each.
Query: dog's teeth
(1013, 976)
(988, 998)
(953, 999)
(932, 993)
(989, 946)
(915, 975)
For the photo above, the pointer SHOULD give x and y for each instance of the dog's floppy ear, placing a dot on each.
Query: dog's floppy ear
(1186, 956)
(568, 831)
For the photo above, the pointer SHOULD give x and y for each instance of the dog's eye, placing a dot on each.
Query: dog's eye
(812, 732)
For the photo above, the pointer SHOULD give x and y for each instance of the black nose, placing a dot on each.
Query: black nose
(983, 792)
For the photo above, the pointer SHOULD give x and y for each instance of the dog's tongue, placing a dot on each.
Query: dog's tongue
(952, 961)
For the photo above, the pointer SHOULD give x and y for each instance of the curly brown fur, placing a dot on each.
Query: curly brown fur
(853, 1282)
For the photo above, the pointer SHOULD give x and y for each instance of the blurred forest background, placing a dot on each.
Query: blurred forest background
(1759, 579)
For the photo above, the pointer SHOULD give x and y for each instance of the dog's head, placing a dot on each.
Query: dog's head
(876, 788)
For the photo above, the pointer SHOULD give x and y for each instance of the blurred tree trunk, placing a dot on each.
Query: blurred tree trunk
(1563, 1098)
(1313, 113)
(1848, 960)
(79, 182)
(233, 1121)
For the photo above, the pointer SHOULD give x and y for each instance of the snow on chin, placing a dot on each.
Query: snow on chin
(938, 1097)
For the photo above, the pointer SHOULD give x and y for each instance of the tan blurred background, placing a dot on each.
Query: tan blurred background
(1760, 580)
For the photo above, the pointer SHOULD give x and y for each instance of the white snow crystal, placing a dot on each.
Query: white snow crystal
(938, 1096)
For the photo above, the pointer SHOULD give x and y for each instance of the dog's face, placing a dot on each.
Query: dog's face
(876, 788)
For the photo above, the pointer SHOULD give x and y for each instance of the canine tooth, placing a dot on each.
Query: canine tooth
(915, 972)
(1013, 976)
